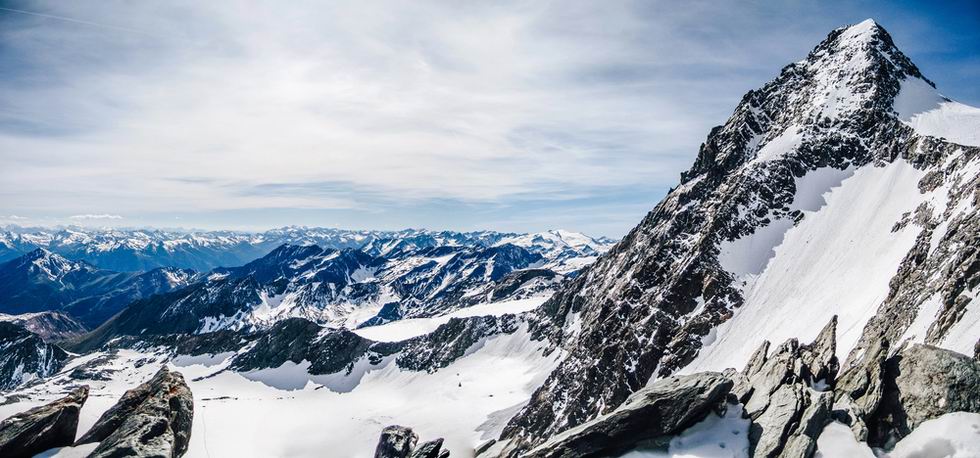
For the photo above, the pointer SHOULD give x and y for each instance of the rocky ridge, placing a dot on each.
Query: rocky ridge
(645, 308)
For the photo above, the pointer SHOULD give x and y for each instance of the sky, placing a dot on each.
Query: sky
(512, 116)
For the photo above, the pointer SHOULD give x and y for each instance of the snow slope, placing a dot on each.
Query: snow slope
(837, 261)
(412, 327)
(924, 109)
(954, 435)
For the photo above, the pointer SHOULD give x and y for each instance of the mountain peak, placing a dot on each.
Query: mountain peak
(862, 32)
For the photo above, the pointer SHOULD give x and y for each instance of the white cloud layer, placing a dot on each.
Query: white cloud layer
(147, 108)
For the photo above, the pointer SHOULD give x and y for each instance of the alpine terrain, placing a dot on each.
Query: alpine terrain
(808, 289)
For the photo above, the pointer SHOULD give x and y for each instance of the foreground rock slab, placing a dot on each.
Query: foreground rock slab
(662, 409)
(42, 428)
(153, 419)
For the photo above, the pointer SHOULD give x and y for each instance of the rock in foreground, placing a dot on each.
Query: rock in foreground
(664, 408)
(399, 442)
(42, 428)
(153, 419)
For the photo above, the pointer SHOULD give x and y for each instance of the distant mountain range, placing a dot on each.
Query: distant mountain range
(360, 278)
(130, 250)
(42, 281)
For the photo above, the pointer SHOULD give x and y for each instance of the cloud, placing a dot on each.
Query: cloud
(94, 217)
(200, 108)
(14, 218)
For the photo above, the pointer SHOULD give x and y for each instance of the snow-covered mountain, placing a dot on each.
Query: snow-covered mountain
(25, 357)
(810, 284)
(844, 187)
(50, 326)
(125, 250)
(42, 281)
(345, 288)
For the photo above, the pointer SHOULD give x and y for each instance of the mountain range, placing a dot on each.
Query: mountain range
(129, 250)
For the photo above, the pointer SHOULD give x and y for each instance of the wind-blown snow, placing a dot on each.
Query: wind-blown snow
(413, 327)
(714, 437)
(837, 441)
(837, 261)
(953, 435)
(920, 106)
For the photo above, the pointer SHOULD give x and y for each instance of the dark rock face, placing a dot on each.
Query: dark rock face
(41, 281)
(296, 339)
(336, 350)
(399, 442)
(430, 449)
(42, 428)
(153, 419)
(923, 382)
(24, 356)
(664, 408)
(50, 326)
(396, 442)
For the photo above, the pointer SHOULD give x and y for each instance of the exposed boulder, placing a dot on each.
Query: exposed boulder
(923, 382)
(662, 409)
(399, 442)
(153, 419)
(42, 428)
(396, 442)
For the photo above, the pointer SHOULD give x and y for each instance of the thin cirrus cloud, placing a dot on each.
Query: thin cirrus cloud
(514, 116)
(94, 217)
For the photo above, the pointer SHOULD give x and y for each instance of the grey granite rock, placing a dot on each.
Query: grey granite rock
(153, 419)
(659, 410)
(42, 428)
(923, 382)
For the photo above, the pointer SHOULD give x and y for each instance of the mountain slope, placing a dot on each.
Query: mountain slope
(43, 281)
(338, 288)
(804, 205)
(50, 326)
(24, 357)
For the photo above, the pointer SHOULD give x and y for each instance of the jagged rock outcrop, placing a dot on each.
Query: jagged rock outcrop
(153, 419)
(923, 382)
(25, 357)
(787, 395)
(660, 410)
(399, 442)
(42, 428)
